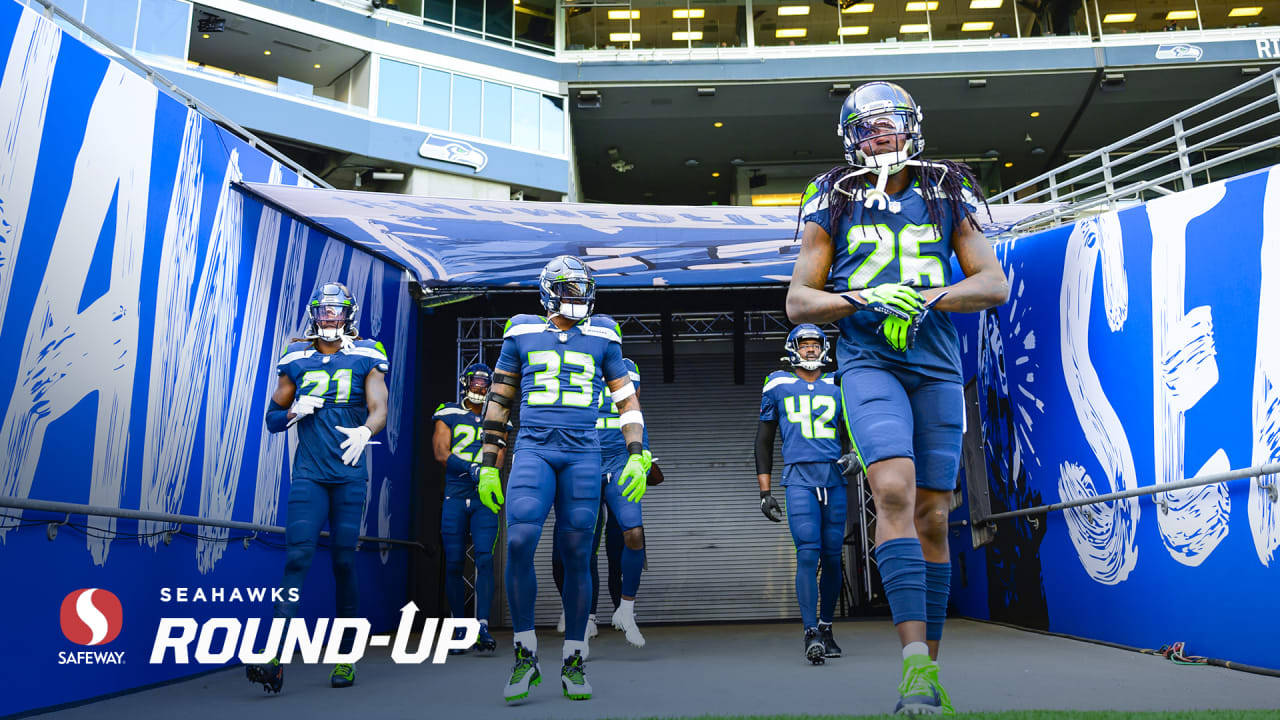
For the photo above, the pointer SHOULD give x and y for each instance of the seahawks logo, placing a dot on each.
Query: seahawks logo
(1179, 52)
(450, 150)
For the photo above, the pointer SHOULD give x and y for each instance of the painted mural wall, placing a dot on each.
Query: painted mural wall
(144, 303)
(1138, 348)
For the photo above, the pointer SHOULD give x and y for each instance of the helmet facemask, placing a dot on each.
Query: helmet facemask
(330, 321)
(477, 387)
(805, 358)
(572, 298)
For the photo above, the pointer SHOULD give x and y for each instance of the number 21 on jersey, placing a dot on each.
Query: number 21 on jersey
(801, 410)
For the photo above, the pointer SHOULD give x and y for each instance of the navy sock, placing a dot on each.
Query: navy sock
(902, 572)
(632, 566)
(937, 583)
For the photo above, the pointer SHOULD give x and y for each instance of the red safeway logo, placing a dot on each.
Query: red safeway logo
(91, 616)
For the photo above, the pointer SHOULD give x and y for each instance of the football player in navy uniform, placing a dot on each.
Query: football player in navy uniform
(805, 403)
(554, 366)
(883, 230)
(331, 387)
(456, 442)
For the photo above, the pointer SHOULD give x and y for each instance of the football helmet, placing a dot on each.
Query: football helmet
(567, 288)
(807, 331)
(874, 110)
(332, 312)
(475, 382)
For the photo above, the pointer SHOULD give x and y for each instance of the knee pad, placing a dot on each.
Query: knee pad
(522, 538)
(634, 538)
(807, 559)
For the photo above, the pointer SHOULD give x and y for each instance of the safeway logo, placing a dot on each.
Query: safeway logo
(91, 616)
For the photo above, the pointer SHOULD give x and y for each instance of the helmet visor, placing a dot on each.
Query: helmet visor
(864, 128)
(330, 315)
(478, 383)
(570, 289)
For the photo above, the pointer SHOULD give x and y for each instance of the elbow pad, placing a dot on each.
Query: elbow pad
(764, 448)
(277, 418)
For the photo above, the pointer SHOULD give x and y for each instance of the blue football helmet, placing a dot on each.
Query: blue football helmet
(567, 288)
(807, 331)
(332, 311)
(476, 381)
(874, 110)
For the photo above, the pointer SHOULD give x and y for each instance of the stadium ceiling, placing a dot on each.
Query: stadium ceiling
(788, 129)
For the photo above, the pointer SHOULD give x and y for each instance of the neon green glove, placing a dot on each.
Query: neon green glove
(490, 487)
(634, 478)
(648, 461)
(895, 331)
(891, 299)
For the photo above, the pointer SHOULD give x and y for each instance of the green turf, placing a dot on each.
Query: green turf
(1037, 715)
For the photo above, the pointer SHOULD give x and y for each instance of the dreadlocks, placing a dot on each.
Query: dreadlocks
(936, 185)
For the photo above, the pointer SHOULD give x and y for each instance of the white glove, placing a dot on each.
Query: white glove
(304, 405)
(353, 447)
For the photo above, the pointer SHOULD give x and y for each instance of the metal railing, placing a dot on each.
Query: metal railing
(1167, 157)
(69, 509)
(189, 100)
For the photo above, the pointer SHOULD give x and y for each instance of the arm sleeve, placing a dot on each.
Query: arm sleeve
(277, 418)
(456, 465)
(509, 359)
(764, 446)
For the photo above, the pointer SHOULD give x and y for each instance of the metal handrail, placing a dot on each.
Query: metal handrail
(1114, 155)
(189, 100)
(63, 508)
(1210, 479)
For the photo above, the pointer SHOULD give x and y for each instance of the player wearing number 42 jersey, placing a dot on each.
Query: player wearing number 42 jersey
(883, 230)
(556, 366)
(804, 404)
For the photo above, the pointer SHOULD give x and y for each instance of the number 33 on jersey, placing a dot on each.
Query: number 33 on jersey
(806, 415)
(562, 372)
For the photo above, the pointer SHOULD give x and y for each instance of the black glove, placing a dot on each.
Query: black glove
(770, 507)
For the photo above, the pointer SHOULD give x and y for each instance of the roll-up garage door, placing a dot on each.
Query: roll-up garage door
(711, 554)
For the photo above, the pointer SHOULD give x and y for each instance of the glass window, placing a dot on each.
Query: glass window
(440, 11)
(497, 19)
(497, 112)
(433, 99)
(113, 19)
(163, 28)
(553, 124)
(469, 15)
(792, 22)
(398, 91)
(588, 28)
(466, 105)
(723, 25)
(536, 22)
(524, 108)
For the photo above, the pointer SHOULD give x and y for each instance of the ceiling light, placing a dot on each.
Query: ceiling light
(1119, 17)
(689, 35)
(855, 30)
(1008, 164)
(624, 14)
(977, 82)
(976, 26)
(316, 66)
(715, 174)
(588, 99)
(717, 124)
(775, 199)
(1245, 12)
(1037, 150)
(791, 32)
(624, 37)
(691, 162)
(1035, 113)
(737, 161)
(931, 5)
(920, 28)
(515, 2)
(1250, 71)
(793, 9)
(705, 91)
(691, 14)
(860, 8)
(1181, 15)
(266, 52)
(985, 4)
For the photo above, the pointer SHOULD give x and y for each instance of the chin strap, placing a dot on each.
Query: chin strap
(877, 196)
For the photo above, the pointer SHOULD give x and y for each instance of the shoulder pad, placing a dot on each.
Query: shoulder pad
(602, 326)
(296, 351)
(632, 369)
(524, 324)
(368, 348)
(814, 198)
(778, 377)
(449, 409)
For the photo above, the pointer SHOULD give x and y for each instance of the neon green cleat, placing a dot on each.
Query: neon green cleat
(524, 675)
(343, 675)
(919, 693)
(573, 677)
(947, 707)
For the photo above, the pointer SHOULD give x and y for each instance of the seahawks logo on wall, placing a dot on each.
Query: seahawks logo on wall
(447, 149)
(1179, 52)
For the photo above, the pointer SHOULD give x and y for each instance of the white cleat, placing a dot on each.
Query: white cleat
(560, 623)
(625, 620)
(592, 630)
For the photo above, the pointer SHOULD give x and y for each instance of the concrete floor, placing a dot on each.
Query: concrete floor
(725, 670)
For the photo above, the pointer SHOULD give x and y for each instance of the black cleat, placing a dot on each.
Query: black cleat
(485, 644)
(269, 675)
(813, 647)
(829, 640)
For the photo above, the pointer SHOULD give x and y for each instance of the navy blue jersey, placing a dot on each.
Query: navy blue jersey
(806, 413)
(875, 247)
(464, 427)
(338, 378)
(608, 427)
(562, 372)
